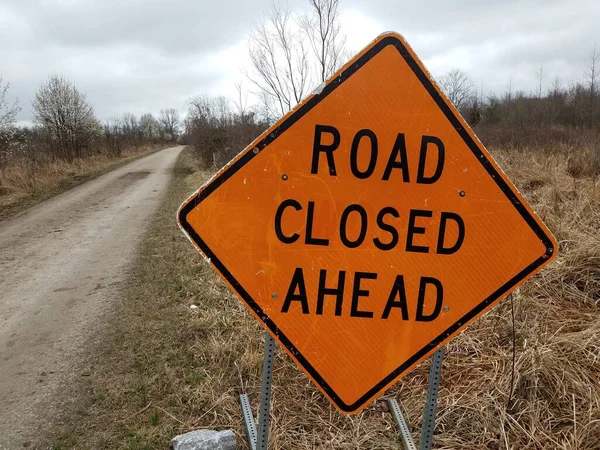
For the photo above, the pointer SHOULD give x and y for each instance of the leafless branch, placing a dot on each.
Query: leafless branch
(322, 28)
(281, 60)
(170, 122)
(458, 87)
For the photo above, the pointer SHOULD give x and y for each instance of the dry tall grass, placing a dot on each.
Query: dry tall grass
(557, 384)
(167, 368)
(24, 180)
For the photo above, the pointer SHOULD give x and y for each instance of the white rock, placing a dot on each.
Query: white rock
(193, 307)
(204, 440)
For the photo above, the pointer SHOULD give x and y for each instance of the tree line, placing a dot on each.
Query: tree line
(550, 113)
(65, 127)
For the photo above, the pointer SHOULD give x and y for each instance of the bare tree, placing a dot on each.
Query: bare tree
(149, 128)
(284, 67)
(458, 87)
(204, 110)
(509, 91)
(540, 79)
(207, 122)
(170, 122)
(322, 29)
(8, 116)
(8, 111)
(216, 132)
(267, 110)
(130, 126)
(280, 59)
(591, 75)
(556, 89)
(64, 117)
(115, 134)
(241, 102)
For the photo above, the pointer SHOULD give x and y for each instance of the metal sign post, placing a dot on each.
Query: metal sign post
(407, 440)
(259, 440)
(435, 372)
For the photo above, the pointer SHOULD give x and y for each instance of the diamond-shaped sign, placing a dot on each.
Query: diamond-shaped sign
(368, 226)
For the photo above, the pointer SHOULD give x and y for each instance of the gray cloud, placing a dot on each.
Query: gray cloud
(168, 26)
(137, 56)
(144, 55)
(495, 41)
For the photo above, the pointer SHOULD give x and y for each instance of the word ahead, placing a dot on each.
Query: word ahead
(396, 299)
(367, 227)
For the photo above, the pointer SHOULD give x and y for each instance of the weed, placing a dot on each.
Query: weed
(154, 418)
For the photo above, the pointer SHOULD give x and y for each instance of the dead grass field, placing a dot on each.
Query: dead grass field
(24, 182)
(165, 368)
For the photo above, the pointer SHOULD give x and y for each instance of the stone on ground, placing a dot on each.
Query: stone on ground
(204, 440)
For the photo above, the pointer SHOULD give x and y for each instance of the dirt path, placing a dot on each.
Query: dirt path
(61, 263)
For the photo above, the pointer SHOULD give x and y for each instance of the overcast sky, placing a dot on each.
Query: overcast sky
(144, 55)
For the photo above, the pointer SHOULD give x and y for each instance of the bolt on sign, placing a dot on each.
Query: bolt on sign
(368, 226)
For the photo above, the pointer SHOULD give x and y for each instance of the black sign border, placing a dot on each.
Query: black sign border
(394, 41)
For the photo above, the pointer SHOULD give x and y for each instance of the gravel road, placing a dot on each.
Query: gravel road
(61, 266)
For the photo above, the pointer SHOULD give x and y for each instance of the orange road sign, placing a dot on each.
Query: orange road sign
(368, 226)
